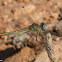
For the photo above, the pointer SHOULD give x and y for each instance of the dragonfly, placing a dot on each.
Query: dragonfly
(34, 27)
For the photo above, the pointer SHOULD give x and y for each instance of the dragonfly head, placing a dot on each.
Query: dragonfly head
(43, 26)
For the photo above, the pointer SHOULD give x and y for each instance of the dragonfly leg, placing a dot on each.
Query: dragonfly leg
(41, 36)
(37, 37)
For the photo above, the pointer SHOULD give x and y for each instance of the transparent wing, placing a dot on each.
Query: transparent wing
(25, 30)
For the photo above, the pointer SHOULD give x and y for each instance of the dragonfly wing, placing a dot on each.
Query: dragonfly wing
(25, 30)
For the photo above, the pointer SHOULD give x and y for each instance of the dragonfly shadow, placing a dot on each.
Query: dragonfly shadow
(7, 53)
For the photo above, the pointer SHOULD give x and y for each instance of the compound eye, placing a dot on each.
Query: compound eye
(44, 27)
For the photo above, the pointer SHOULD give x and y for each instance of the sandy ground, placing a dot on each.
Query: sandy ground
(19, 14)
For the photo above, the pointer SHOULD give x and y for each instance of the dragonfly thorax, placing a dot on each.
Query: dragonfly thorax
(35, 27)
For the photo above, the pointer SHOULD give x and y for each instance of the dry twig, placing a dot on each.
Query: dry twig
(49, 48)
